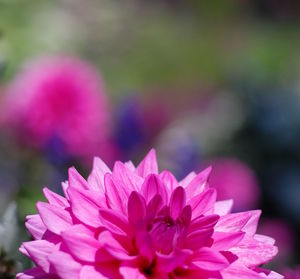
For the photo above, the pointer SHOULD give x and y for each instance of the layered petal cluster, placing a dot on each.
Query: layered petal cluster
(137, 222)
(57, 102)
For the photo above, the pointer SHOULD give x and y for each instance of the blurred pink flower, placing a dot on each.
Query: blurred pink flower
(291, 273)
(57, 99)
(234, 179)
(139, 223)
(284, 235)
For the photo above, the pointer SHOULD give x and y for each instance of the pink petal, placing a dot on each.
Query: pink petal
(203, 222)
(136, 208)
(55, 218)
(208, 259)
(202, 203)
(131, 273)
(251, 225)
(234, 222)
(169, 180)
(198, 239)
(144, 245)
(148, 165)
(252, 252)
(114, 221)
(239, 271)
(154, 186)
(96, 178)
(130, 166)
(223, 207)
(105, 269)
(225, 240)
(24, 251)
(198, 184)
(167, 263)
(177, 202)
(126, 178)
(269, 273)
(86, 205)
(89, 272)
(82, 246)
(113, 247)
(64, 265)
(116, 195)
(76, 180)
(55, 199)
(188, 179)
(35, 226)
(264, 239)
(186, 215)
(39, 251)
(153, 207)
(65, 186)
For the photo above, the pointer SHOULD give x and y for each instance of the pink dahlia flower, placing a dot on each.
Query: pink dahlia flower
(57, 100)
(137, 222)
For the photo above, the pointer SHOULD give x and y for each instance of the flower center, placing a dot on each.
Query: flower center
(164, 233)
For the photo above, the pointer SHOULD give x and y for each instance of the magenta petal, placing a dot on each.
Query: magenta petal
(65, 186)
(76, 180)
(225, 240)
(238, 271)
(82, 246)
(178, 258)
(126, 178)
(208, 259)
(136, 208)
(55, 199)
(131, 273)
(89, 272)
(64, 265)
(24, 251)
(198, 239)
(35, 226)
(154, 186)
(96, 178)
(113, 247)
(251, 226)
(86, 205)
(187, 180)
(115, 196)
(114, 221)
(148, 165)
(55, 218)
(177, 202)
(186, 215)
(223, 207)
(198, 184)
(202, 203)
(235, 222)
(35, 273)
(252, 252)
(39, 251)
(169, 180)
(144, 245)
(203, 222)
(153, 207)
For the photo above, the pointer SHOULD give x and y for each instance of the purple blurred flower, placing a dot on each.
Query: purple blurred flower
(58, 98)
(234, 179)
